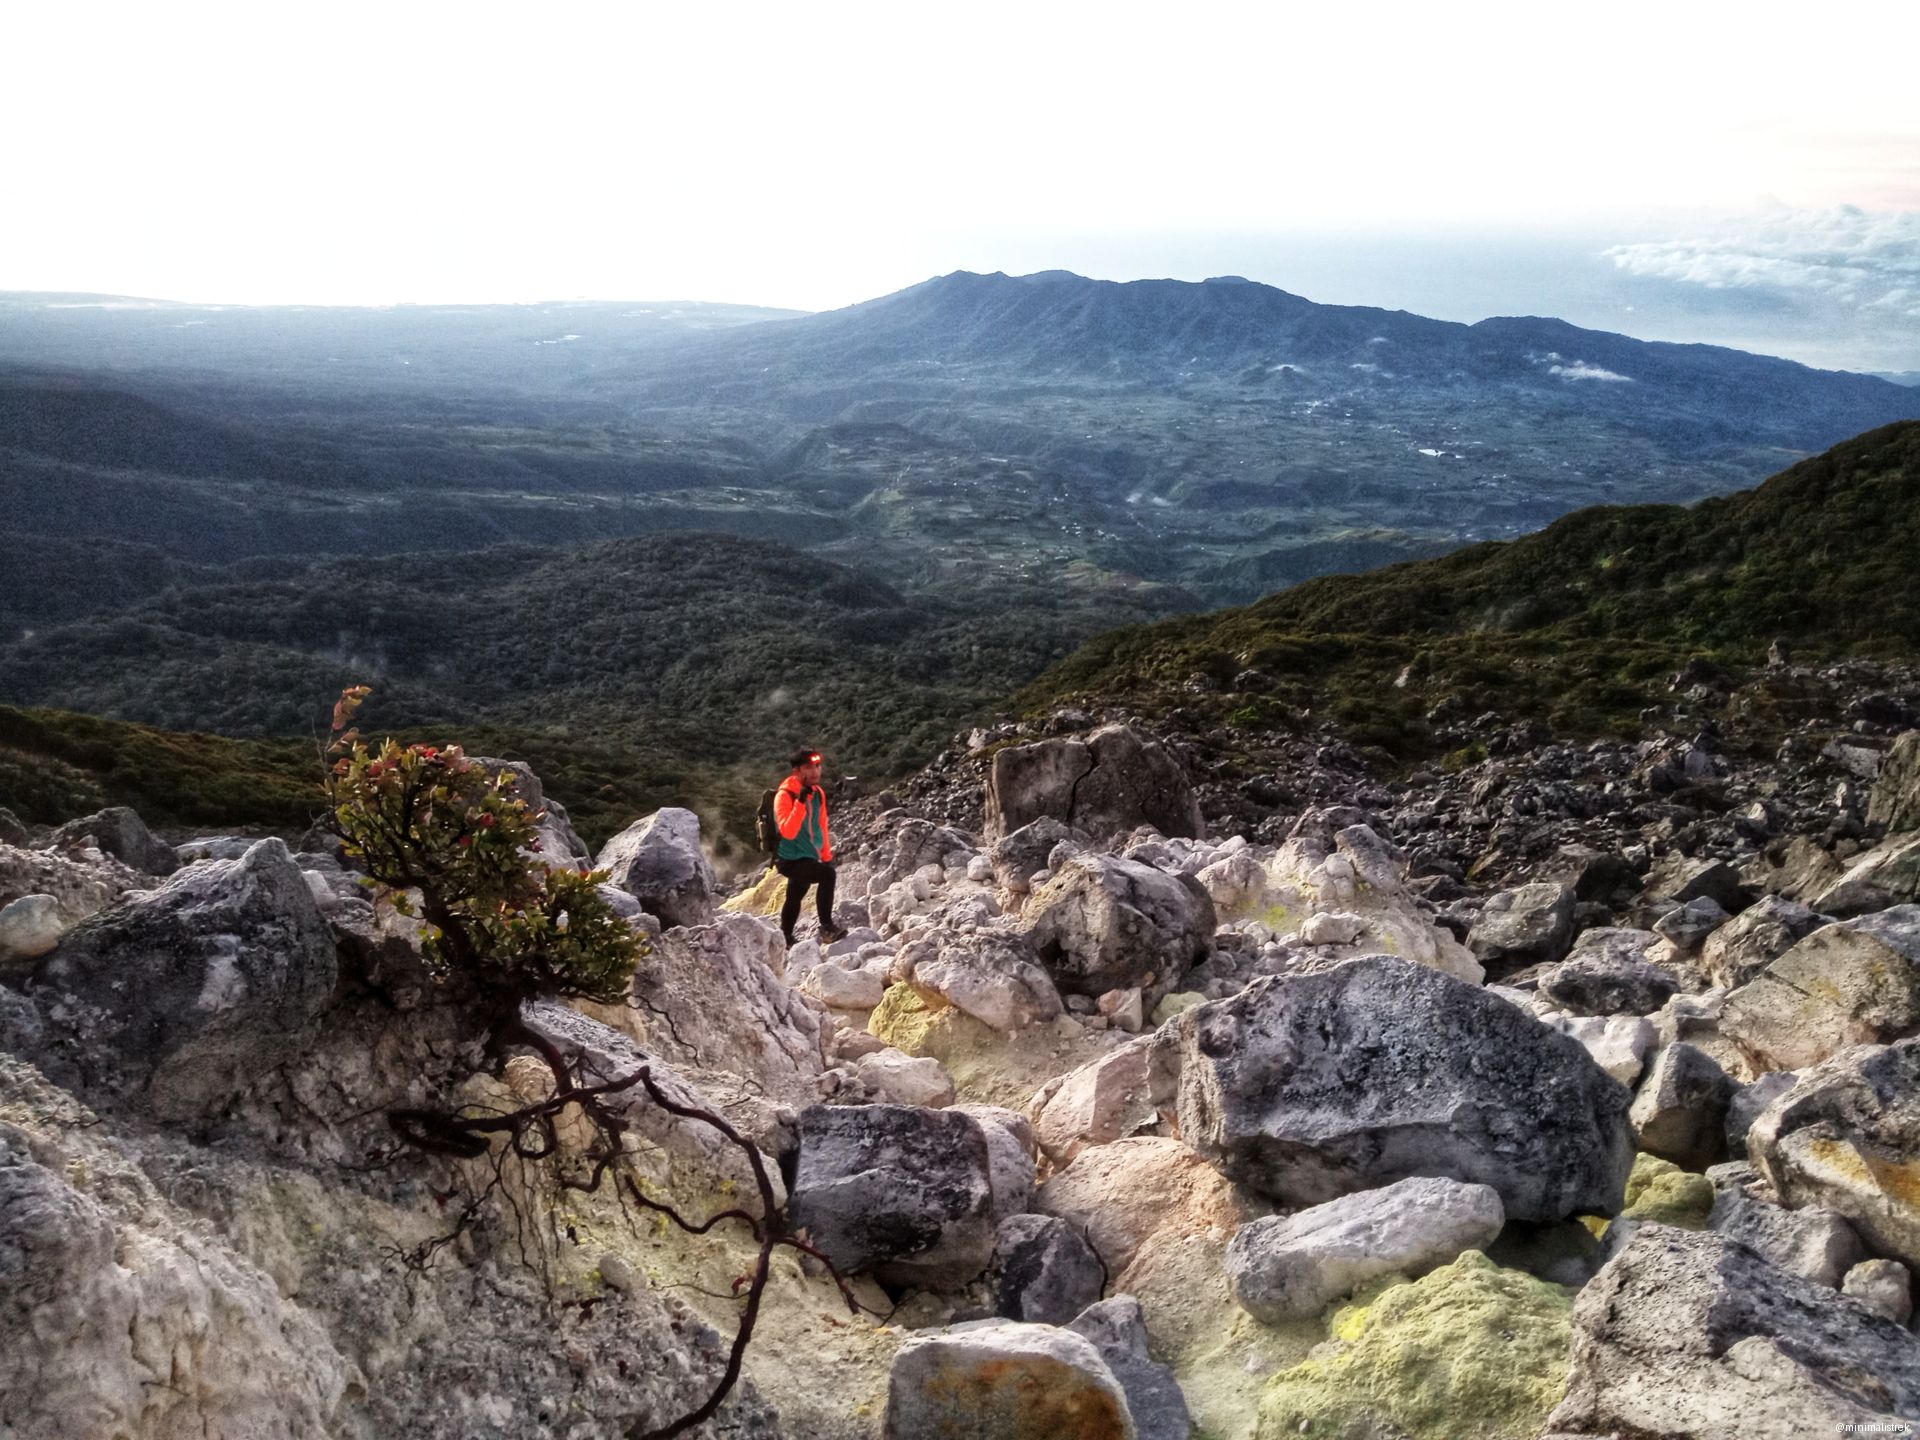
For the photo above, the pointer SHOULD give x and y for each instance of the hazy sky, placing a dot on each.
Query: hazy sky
(1751, 171)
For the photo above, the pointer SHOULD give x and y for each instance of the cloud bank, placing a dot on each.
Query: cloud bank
(1841, 259)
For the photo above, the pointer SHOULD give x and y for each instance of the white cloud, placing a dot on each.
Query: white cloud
(1580, 370)
(1842, 257)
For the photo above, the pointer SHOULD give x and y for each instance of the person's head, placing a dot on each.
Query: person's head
(806, 764)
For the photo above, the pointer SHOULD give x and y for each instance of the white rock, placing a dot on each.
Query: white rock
(902, 1079)
(30, 927)
(1332, 928)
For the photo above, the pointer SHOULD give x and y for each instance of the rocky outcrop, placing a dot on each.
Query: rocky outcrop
(176, 999)
(903, 1192)
(1895, 803)
(1885, 876)
(119, 832)
(1691, 1335)
(1104, 923)
(1845, 1138)
(1741, 949)
(1115, 779)
(658, 861)
(1001, 1380)
(1680, 1110)
(1855, 982)
(1293, 1267)
(1306, 1088)
(1527, 925)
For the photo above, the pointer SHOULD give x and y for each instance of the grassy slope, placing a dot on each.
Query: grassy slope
(1573, 624)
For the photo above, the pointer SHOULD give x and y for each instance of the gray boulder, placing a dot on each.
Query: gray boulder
(1292, 1267)
(1845, 1137)
(1680, 1110)
(29, 928)
(1118, 1330)
(121, 833)
(904, 1192)
(178, 998)
(1682, 878)
(1887, 875)
(1744, 946)
(1608, 986)
(1044, 1271)
(1102, 923)
(1309, 1087)
(1813, 1243)
(1688, 925)
(658, 861)
(1002, 1380)
(1017, 857)
(1895, 803)
(1883, 1286)
(1114, 780)
(1691, 1335)
(992, 975)
(1612, 943)
(1850, 983)
(1528, 925)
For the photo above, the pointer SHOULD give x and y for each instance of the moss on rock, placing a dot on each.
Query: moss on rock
(1660, 1191)
(1468, 1350)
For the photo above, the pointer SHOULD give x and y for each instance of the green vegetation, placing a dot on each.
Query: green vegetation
(1579, 625)
(432, 823)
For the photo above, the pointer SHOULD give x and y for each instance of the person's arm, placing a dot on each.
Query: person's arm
(826, 835)
(789, 813)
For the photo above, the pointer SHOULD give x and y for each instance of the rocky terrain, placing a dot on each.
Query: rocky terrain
(1571, 1091)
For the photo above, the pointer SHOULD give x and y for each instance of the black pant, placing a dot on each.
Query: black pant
(803, 875)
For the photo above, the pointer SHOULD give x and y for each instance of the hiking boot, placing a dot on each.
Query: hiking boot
(831, 933)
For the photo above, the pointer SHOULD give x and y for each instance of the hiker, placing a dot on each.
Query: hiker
(805, 854)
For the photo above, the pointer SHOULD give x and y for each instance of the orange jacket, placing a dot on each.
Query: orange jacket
(792, 817)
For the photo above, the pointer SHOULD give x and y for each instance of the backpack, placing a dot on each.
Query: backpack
(766, 828)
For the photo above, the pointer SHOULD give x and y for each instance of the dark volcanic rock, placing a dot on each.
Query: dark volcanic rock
(1116, 779)
(121, 833)
(904, 1192)
(1309, 1087)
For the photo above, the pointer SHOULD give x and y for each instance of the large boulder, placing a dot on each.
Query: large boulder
(1895, 802)
(1016, 858)
(1680, 1111)
(1292, 1267)
(1690, 1335)
(711, 999)
(1527, 925)
(1002, 1380)
(1044, 1271)
(1845, 1137)
(1743, 947)
(1103, 923)
(1887, 875)
(1308, 1087)
(993, 975)
(904, 1192)
(1114, 780)
(1607, 985)
(119, 832)
(1850, 983)
(178, 998)
(658, 861)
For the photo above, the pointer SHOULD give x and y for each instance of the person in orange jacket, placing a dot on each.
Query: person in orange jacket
(806, 846)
